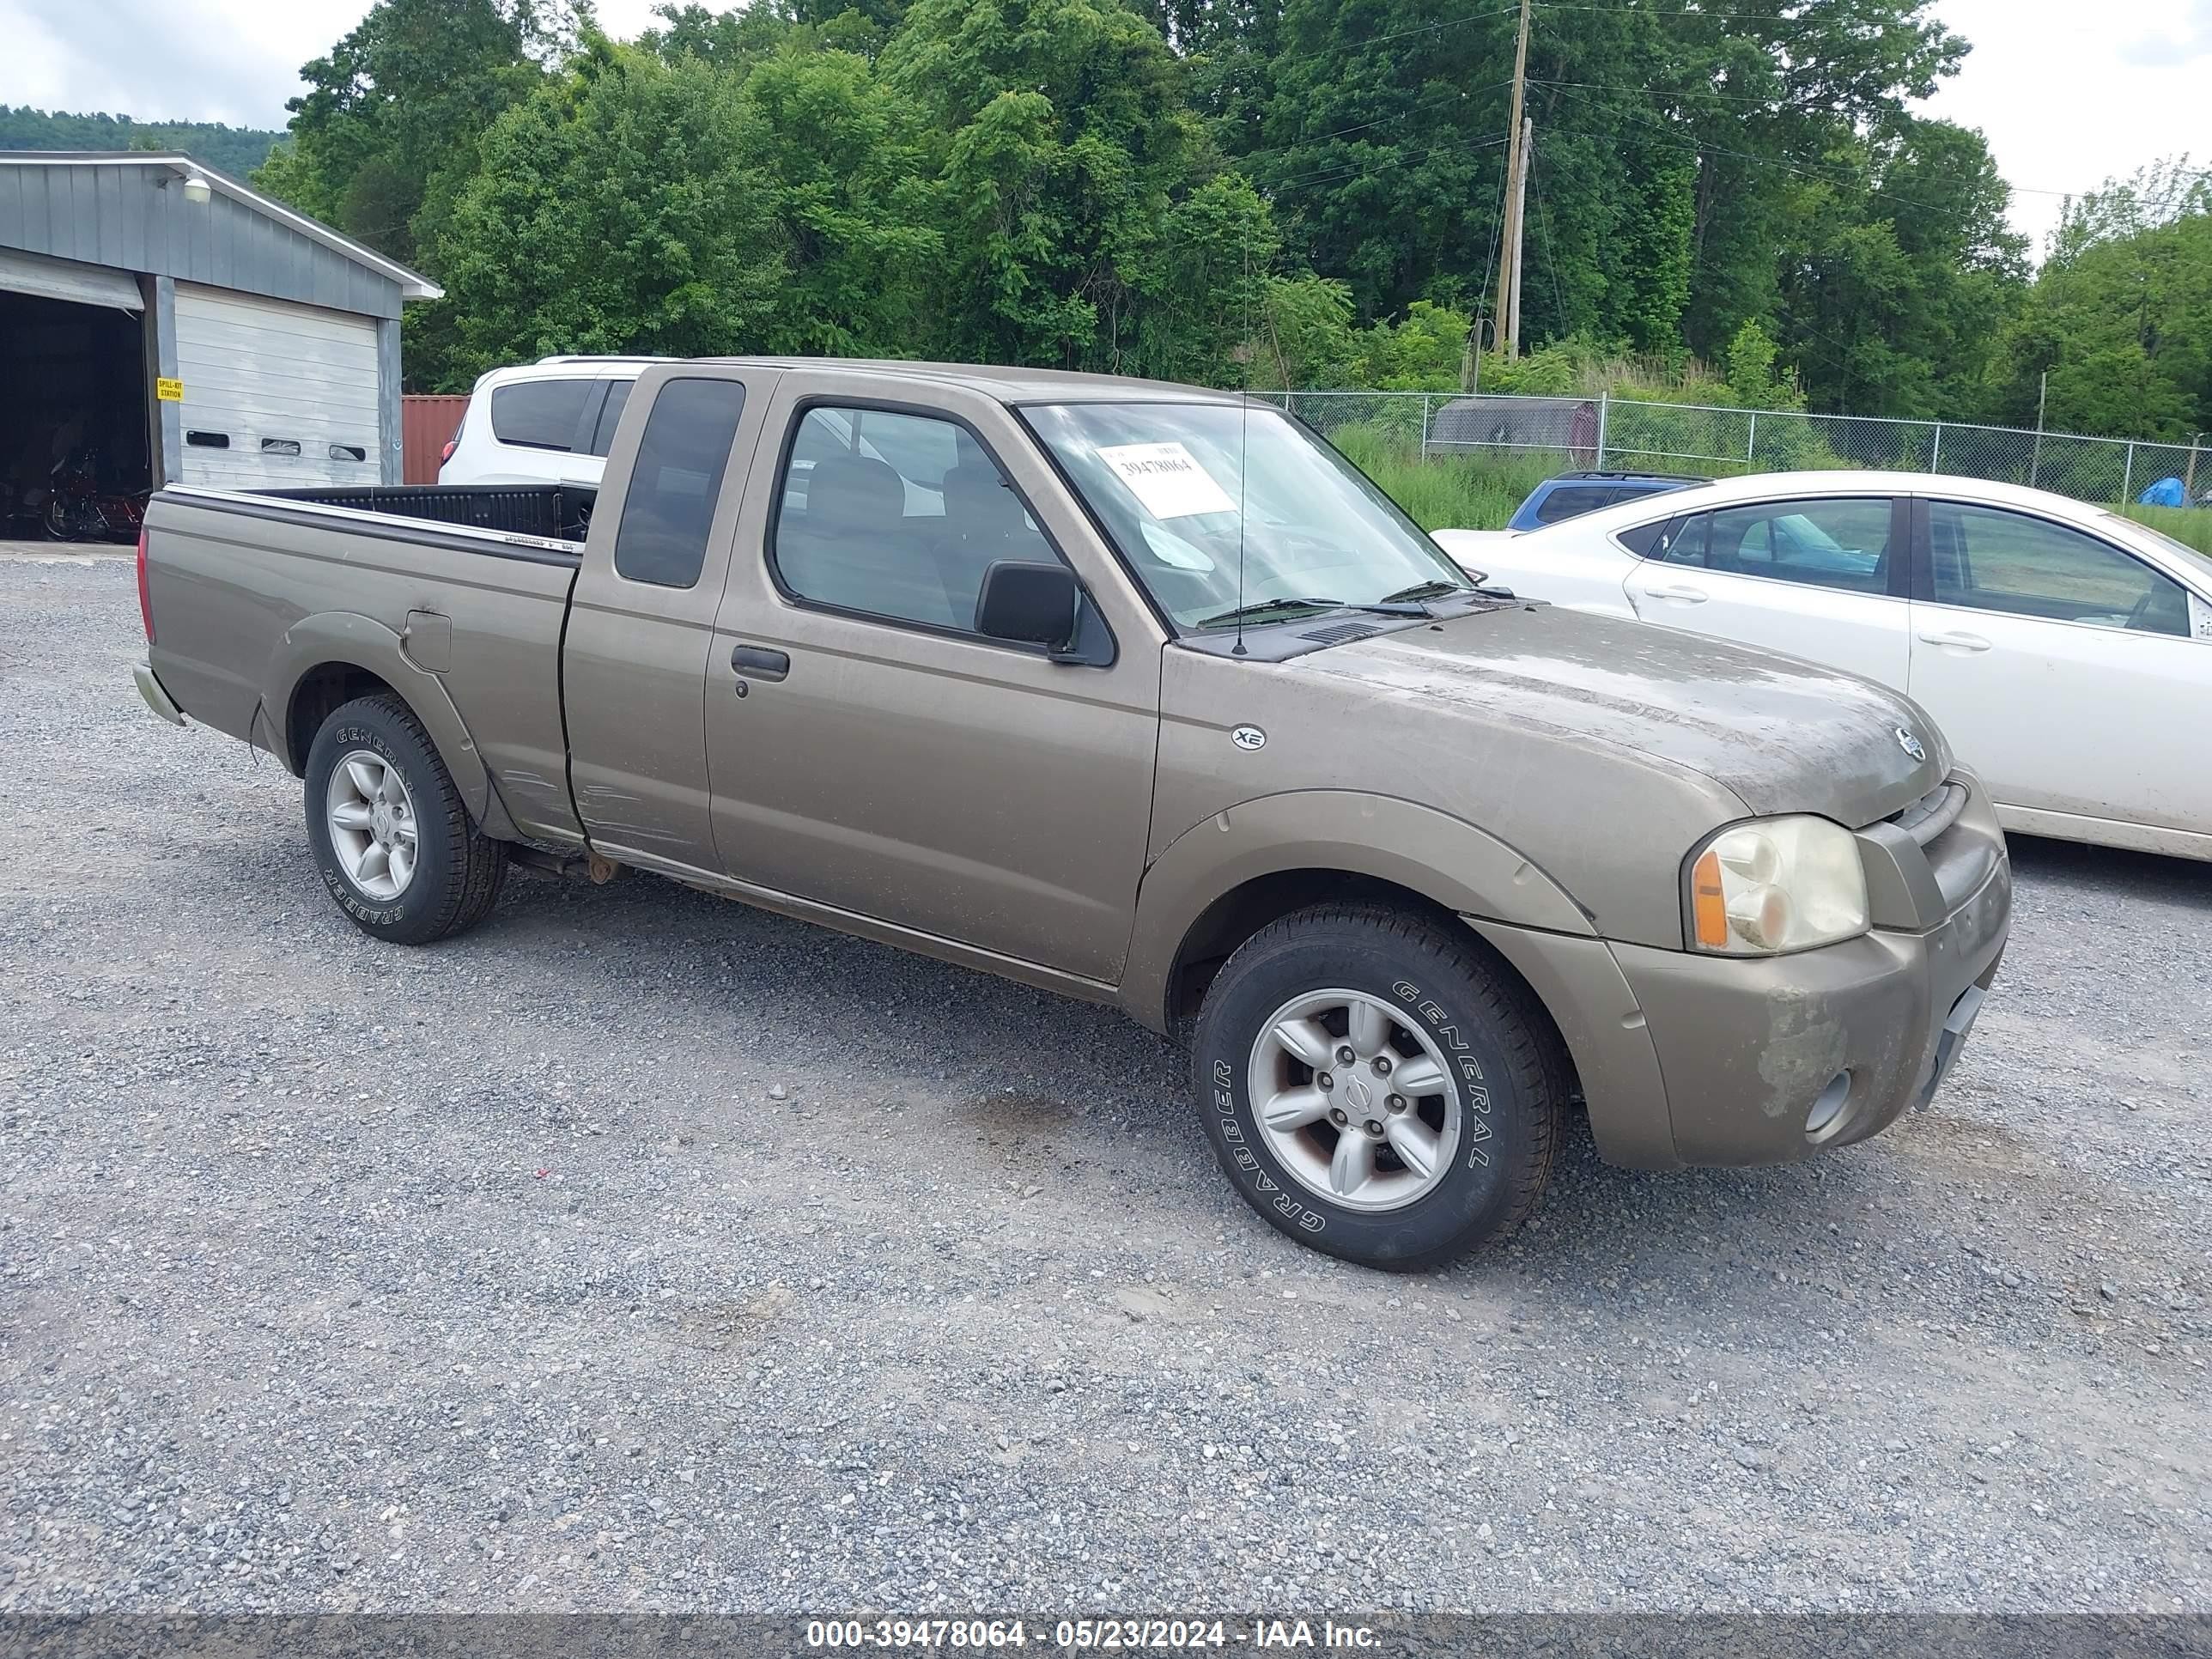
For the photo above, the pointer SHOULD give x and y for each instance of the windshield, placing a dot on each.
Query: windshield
(2201, 564)
(1178, 485)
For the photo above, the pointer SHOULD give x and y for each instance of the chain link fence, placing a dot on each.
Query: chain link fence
(1626, 434)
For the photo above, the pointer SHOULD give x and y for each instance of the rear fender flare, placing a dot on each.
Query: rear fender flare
(1444, 858)
(365, 643)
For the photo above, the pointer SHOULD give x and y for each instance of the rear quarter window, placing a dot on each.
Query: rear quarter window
(611, 416)
(1643, 540)
(675, 481)
(540, 414)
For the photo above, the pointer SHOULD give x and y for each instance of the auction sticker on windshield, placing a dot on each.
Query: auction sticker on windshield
(1167, 479)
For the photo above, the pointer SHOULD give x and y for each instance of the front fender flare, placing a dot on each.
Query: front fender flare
(1440, 857)
(363, 642)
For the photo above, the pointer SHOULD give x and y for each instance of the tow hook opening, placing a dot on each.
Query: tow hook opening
(1827, 1114)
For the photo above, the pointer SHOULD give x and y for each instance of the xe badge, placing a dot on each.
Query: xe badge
(1910, 744)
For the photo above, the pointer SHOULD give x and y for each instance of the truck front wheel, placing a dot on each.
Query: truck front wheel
(391, 839)
(1377, 1088)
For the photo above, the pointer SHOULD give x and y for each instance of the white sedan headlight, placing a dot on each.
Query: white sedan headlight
(1776, 885)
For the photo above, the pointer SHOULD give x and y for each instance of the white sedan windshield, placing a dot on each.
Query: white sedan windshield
(1226, 510)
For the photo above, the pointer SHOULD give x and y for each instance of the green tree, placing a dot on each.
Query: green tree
(388, 127)
(234, 150)
(1422, 351)
(1191, 295)
(1306, 338)
(1068, 161)
(2120, 317)
(614, 212)
(842, 159)
(1898, 272)
(1754, 381)
(733, 40)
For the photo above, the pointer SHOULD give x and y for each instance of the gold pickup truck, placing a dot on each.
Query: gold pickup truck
(1142, 694)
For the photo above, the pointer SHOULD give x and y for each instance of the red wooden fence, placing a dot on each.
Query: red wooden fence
(425, 423)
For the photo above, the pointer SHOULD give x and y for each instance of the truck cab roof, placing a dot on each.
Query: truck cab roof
(1009, 384)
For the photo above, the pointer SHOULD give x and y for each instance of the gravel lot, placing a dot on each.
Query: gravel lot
(641, 1251)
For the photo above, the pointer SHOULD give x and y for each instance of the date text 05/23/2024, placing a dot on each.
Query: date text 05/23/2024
(826, 1635)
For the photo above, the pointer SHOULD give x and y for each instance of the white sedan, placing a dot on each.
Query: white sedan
(2064, 650)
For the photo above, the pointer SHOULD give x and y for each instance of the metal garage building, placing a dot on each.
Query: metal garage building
(184, 328)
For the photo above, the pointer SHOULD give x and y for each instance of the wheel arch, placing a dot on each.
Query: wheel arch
(326, 661)
(1220, 882)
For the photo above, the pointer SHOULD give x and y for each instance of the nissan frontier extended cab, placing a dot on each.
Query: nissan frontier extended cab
(1142, 694)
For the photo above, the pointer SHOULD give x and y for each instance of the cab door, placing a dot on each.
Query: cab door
(869, 749)
(1826, 579)
(641, 623)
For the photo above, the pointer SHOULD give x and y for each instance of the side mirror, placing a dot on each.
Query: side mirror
(1033, 604)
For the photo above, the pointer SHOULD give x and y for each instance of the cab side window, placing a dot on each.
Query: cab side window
(1988, 559)
(895, 516)
(676, 482)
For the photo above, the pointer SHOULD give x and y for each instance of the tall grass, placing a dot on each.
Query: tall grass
(2190, 525)
(1447, 492)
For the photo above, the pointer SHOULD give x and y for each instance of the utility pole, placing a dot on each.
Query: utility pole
(1519, 219)
(2042, 396)
(1509, 260)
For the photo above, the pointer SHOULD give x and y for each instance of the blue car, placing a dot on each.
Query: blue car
(1573, 494)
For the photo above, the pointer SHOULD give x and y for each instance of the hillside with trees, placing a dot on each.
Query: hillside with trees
(1302, 192)
(234, 150)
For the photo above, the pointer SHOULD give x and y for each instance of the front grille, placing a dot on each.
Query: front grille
(1932, 814)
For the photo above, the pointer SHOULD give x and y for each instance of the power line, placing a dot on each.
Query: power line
(1672, 15)
(1659, 92)
(1571, 87)
(1551, 252)
(1341, 48)
(1490, 260)
(1671, 136)
(1453, 96)
(1392, 153)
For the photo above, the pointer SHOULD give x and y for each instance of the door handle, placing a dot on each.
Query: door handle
(1681, 595)
(760, 662)
(1957, 642)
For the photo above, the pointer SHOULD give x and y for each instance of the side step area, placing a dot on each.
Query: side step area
(562, 867)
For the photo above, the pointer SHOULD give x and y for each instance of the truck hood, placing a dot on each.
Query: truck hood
(1782, 734)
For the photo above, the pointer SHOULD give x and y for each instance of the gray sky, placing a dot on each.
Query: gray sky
(2069, 93)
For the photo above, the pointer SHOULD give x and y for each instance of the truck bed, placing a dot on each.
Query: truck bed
(267, 606)
(553, 512)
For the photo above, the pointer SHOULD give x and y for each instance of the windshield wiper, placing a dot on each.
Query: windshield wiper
(1429, 590)
(1260, 608)
(1392, 605)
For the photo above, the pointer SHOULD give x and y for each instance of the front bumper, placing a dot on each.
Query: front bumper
(157, 698)
(1686, 1058)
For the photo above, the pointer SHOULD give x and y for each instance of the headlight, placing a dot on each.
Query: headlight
(1776, 885)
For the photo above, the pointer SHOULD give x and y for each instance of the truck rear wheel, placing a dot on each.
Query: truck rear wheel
(391, 836)
(1376, 1088)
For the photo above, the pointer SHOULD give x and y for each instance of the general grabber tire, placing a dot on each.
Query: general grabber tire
(391, 837)
(1377, 1086)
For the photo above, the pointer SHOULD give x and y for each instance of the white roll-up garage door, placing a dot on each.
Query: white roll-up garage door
(275, 396)
(65, 279)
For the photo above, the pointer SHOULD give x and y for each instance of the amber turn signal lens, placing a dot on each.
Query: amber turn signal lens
(1708, 904)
